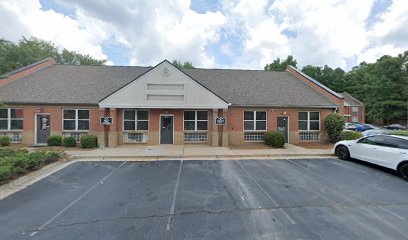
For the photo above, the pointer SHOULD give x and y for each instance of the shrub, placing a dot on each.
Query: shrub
(89, 141)
(274, 139)
(69, 142)
(350, 135)
(399, 132)
(4, 141)
(54, 140)
(334, 124)
(6, 172)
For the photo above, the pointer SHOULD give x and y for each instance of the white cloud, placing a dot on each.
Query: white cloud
(18, 18)
(255, 32)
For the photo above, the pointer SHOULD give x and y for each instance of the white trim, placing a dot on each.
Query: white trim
(35, 127)
(254, 120)
(76, 120)
(160, 126)
(161, 107)
(9, 118)
(136, 110)
(196, 120)
(288, 124)
(308, 120)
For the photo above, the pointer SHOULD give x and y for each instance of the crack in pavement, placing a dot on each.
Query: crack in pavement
(245, 210)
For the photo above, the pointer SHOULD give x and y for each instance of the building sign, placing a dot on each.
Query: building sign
(106, 120)
(220, 121)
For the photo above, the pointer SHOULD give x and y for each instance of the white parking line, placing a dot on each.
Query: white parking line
(76, 200)
(173, 203)
(266, 193)
(392, 213)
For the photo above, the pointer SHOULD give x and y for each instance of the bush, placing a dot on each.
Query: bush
(274, 139)
(399, 132)
(89, 141)
(4, 141)
(69, 142)
(334, 124)
(350, 135)
(54, 140)
(17, 162)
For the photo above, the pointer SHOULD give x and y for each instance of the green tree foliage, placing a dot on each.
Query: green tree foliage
(278, 65)
(332, 78)
(382, 86)
(185, 65)
(30, 50)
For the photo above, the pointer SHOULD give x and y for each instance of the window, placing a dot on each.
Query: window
(354, 110)
(133, 137)
(255, 120)
(76, 135)
(354, 119)
(135, 120)
(309, 136)
(11, 119)
(195, 137)
(254, 136)
(309, 121)
(76, 119)
(373, 140)
(396, 142)
(195, 120)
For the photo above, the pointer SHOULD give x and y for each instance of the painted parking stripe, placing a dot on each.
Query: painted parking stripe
(75, 201)
(173, 203)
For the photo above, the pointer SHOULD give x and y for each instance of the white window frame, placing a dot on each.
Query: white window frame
(136, 120)
(354, 110)
(196, 121)
(256, 120)
(308, 121)
(76, 119)
(354, 119)
(9, 119)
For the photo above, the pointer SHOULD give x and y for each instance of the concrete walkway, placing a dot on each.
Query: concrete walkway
(143, 152)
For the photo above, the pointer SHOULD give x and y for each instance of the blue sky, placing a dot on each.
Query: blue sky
(215, 34)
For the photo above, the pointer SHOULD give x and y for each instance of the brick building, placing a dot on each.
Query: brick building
(164, 104)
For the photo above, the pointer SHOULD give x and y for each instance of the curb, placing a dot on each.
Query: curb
(194, 157)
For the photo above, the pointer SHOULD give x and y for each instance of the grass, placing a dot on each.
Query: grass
(399, 132)
(17, 162)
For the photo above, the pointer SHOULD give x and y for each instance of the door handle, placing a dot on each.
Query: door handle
(403, 152)
(373, 148)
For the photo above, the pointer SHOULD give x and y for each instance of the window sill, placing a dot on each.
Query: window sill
(11, 131)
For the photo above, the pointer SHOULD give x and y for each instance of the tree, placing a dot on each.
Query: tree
(28, 51)
(185, 65)
(332, 78)
(277, 65)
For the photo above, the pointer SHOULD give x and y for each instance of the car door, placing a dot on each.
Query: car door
(393, 152)
(365, 149)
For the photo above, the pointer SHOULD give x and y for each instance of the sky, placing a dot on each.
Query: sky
(239, 34)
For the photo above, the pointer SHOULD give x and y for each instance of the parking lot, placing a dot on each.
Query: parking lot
(249, 199)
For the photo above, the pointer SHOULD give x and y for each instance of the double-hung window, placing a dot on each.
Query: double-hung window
(195, 120)
(255, 123)
(135, 125)
(11, 119)
(195, 126)
(309, 126)
(354, 110)
(309, 121)
(11, 123)
(135, 120)
(76, 120)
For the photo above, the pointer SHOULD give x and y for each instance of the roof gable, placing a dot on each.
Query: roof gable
(163, 86)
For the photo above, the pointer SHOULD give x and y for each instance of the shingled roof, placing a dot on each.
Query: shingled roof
(350, 100)
(87, 85)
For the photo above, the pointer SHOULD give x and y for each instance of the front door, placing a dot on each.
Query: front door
(283, 127)
(166, 129)
(43, 128)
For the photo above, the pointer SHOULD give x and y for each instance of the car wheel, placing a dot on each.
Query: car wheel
(403, 171)
(342, 152)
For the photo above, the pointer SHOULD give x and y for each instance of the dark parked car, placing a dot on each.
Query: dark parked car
(364, 127)
(395, 127)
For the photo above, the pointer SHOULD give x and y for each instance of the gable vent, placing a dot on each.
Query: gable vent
(165, 97)
(165, 87)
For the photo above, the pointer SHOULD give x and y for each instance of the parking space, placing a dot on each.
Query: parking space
(251, 199)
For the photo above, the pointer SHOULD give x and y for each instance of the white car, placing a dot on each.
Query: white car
(389, 151)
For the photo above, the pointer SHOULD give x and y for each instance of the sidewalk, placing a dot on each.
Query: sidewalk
(143, 152)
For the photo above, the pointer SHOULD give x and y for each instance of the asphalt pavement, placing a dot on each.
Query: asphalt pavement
(247, 199)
